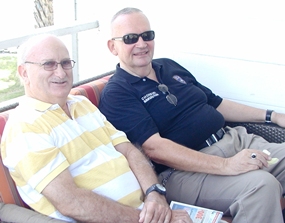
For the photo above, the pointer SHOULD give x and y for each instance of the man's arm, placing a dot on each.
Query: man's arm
(171, 154)
(85, 205)
(237, 112)
(155, 207)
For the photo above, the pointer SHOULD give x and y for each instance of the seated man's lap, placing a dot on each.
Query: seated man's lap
(219, 192)
(222, 192)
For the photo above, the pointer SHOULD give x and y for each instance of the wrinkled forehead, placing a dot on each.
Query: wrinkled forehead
(135, 22)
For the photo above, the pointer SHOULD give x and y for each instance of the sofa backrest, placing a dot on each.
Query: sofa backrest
(8, 191)
(92, 89)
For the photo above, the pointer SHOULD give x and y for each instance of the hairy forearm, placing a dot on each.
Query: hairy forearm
(140, 165)
(87, 206)
(171, 154)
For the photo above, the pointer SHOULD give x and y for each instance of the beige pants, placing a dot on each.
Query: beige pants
(250, 197)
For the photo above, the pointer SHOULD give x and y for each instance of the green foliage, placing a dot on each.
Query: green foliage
(15, 89)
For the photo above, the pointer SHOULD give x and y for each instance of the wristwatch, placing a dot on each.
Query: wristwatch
(156, 187)
(268, 116)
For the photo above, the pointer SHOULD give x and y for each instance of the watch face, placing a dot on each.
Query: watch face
(160, 187)
(156, 187)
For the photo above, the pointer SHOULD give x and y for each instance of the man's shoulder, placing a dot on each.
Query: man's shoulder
(117, 82)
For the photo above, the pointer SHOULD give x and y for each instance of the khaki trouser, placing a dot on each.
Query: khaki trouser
(252, 197)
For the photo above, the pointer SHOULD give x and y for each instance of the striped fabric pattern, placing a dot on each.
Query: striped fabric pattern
(45, 142)
(8, 191)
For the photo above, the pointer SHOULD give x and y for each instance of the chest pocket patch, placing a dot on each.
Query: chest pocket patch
(179, 79)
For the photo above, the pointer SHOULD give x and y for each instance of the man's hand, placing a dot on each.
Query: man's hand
(242, 162)
(278, 118)
(180, 216)
(155, 209)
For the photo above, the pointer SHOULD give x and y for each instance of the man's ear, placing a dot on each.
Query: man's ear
(112, 47)
(23, 73)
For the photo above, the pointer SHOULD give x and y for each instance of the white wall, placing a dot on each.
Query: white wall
(16, 18)
(237, 48)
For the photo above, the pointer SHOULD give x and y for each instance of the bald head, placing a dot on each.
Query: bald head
(27, 47)
(126, 19)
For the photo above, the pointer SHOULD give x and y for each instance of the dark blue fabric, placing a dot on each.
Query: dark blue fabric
(136, 106)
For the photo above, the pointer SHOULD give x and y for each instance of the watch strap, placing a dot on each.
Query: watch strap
(268, 116)
(155, 188)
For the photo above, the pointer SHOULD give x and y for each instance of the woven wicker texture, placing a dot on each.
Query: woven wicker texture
(270, 132)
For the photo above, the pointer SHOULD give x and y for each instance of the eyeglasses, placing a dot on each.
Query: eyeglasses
(52, 65)
(133, 37)
(170, 97)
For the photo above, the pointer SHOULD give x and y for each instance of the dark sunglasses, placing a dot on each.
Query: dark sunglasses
(52, 65)
(170, 97)
(133, 37)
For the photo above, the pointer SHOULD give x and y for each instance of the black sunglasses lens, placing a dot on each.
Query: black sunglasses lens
(133, 38)
(130, 38)
(148, 36)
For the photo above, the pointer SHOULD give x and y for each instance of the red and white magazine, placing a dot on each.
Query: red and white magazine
(198, 214)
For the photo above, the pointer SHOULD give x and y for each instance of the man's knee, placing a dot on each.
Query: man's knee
(266, 185)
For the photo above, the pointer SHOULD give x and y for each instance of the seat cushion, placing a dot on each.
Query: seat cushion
(8, 191)
(16, 214)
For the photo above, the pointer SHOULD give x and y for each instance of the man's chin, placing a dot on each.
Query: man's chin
(142, 62)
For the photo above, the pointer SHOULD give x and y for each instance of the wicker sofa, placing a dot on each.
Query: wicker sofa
(13, 209)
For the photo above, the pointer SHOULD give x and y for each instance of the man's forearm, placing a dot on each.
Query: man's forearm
(140, 165)
(237, 112)
(85, 205)
(169, 153)
(101, 209)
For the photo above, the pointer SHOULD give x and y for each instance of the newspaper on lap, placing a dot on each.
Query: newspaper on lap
(199, 214)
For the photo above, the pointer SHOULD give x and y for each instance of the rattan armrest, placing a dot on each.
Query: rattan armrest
(270, 132)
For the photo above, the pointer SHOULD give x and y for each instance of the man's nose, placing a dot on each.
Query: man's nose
(59, 71)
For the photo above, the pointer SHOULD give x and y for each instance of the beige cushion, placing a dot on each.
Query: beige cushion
(17, 214)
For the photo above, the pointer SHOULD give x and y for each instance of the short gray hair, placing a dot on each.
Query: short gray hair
(125, 11)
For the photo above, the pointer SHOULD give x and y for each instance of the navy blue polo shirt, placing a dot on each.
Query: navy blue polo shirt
(136, 106)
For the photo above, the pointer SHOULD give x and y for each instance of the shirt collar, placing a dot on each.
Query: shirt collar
(39, 105)
(133, 79)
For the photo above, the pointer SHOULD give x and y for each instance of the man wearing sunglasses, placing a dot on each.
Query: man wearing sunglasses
(67, 160)
(179, 123)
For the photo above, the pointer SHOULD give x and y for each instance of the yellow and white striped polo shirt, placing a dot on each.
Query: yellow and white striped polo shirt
(40, 141)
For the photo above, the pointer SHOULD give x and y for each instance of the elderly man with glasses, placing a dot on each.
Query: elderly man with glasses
(67, 160)
(179, 123)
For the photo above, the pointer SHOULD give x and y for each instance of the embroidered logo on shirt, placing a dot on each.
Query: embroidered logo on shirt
(149, 96)
(179, 79)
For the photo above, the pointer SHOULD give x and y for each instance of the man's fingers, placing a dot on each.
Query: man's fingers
(273, 160)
